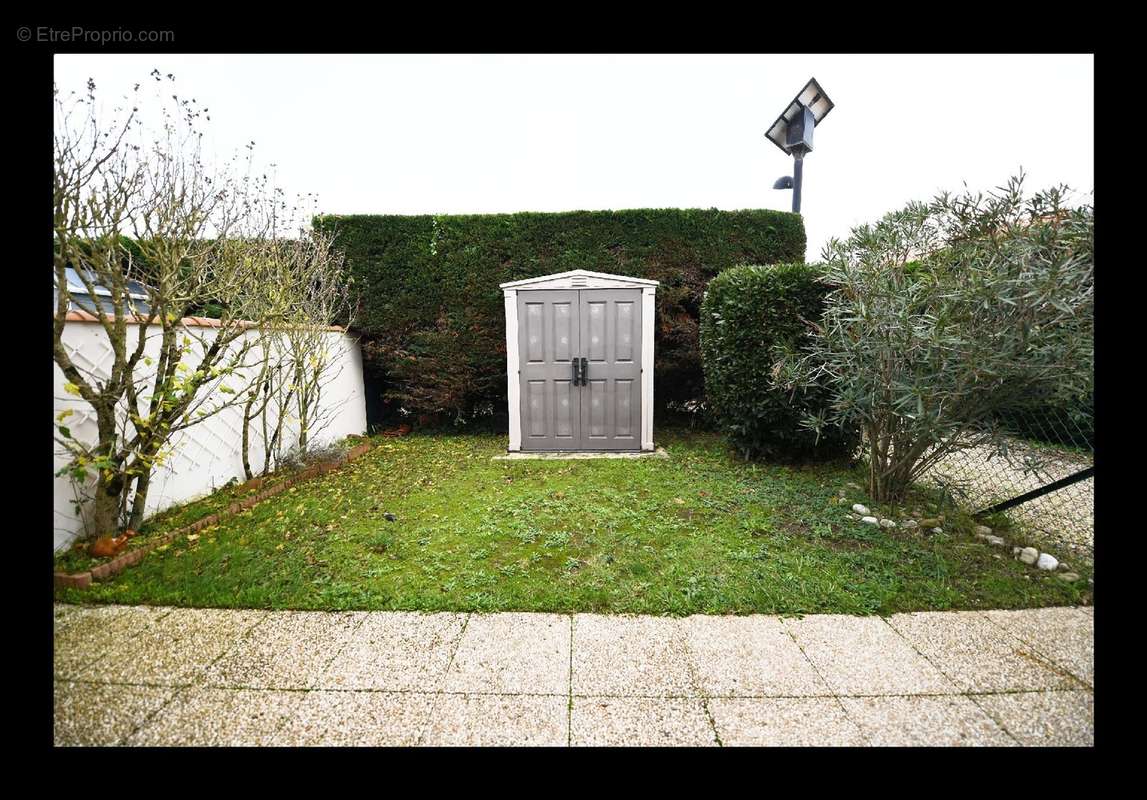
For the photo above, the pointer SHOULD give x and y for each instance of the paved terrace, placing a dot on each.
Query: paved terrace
(163, 676)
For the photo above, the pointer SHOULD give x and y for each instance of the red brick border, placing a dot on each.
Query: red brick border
(80, 580)
(83, 580)
(188, 322)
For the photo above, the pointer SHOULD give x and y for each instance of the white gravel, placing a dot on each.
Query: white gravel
(1065, 516)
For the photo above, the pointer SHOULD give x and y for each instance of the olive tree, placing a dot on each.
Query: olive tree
(942, 314)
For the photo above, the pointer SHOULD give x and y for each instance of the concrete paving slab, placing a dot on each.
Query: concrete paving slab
(84, 635)
(498, 720)
(356, 719)
(290, 650)
(204, 717)
(512, 654)
(631, 656)
(506, 680)
(640, 722)
(864, 656)
(976, 654)
(1064, 635)
(66, 614)
(953, 721)
(784, 722)
(102, 715)
(175, 650)
(1043, 719)
(751, 656)
(396, 651)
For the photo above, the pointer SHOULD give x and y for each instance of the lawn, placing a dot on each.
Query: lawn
(701, 532)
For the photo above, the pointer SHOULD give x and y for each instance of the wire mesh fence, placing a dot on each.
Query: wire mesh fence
(1044, 467)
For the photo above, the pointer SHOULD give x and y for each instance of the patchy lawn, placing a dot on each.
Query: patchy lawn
(76, 558)
(699, 533)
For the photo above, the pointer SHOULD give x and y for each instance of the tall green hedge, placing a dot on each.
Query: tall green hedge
(751, 317)
(432, 316)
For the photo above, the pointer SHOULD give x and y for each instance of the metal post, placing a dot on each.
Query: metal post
(1075, 477)
(798, 171)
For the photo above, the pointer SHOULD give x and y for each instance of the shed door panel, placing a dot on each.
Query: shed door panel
(611, 342)
(548, 342)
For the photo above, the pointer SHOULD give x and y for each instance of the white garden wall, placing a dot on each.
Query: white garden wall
(206, 455)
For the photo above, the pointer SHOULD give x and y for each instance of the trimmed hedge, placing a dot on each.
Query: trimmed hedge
(751, 316)
(432, 317)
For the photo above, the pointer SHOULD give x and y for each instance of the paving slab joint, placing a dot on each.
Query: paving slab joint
(439, 694)
(978, 705)
(835, 695)
(1041, 656)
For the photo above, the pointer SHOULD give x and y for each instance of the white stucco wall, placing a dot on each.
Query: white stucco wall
(206, 455)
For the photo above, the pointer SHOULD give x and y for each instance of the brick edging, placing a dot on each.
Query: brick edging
(83, 580)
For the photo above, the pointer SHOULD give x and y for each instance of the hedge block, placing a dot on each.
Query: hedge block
(751, 318)
(441, 352)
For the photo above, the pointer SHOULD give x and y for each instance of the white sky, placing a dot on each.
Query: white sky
(413, 134)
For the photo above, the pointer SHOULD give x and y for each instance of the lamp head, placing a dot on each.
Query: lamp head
(793, 128)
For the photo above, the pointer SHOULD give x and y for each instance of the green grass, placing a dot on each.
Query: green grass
(76, 558)
(701, 532)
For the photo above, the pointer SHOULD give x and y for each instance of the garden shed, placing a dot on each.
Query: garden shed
(579, 362)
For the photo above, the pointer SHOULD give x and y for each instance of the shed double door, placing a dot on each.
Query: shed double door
(556, 328)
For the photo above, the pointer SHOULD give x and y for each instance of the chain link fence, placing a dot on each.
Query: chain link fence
(1041, 477)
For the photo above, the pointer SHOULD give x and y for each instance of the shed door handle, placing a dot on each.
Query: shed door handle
(584, 368)
(577, 374)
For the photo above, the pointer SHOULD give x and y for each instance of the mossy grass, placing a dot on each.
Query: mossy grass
(700, 532)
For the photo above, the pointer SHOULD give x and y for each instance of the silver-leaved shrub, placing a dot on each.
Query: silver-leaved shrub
(943, 314)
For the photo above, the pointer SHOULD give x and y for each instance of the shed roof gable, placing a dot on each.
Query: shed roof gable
(580, 279)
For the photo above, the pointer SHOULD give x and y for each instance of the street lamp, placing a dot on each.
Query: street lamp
(792, 132)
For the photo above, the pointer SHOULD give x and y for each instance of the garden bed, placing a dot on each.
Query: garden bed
(434, 523)
(75, 567)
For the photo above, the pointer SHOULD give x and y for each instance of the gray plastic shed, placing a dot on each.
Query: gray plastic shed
(579, 362)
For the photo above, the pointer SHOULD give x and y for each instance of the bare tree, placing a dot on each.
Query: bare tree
(313, 351)
(136, 206)
(302, 352)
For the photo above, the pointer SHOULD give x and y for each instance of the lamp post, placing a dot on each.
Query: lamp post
(792, 132)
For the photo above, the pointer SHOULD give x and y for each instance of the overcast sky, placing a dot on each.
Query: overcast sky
(413, 134)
